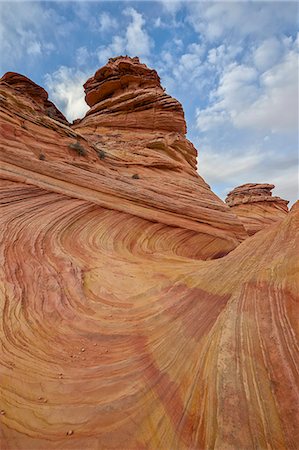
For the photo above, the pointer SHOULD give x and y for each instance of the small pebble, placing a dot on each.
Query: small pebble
(82, 349)
(70, 432)
(95, 344)
(2, 412)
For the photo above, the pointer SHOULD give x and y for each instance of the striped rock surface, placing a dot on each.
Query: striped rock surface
(256, 208)
(120, 328)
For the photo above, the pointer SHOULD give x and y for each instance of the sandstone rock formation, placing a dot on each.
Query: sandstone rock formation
(150, 173)
(25, 88)
(127, 94)
(256, 208)
(121, 325)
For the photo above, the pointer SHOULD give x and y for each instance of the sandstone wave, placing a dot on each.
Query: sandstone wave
(136, 313)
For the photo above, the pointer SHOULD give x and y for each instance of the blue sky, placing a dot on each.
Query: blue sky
(233, 66)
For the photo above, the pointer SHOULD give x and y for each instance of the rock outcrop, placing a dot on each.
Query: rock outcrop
(25, 88)
(256, 208)
(127, 94)
(121, 325)
(148, 173)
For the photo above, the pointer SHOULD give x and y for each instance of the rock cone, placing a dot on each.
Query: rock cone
(256, 208)
(127, 94)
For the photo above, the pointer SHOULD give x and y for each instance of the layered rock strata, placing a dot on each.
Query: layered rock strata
(121, 327)
(127, 94)
(148, 173)
(256, 208)
(110, 342)
(26, 88)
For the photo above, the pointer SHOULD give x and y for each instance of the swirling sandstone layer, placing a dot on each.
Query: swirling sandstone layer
(148, 173)
(115, 333)
(109, 342)
(256, 208)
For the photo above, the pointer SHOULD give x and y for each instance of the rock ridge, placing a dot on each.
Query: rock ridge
(26, 87)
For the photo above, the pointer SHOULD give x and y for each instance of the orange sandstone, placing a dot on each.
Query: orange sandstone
(256, 208)
(121, 326)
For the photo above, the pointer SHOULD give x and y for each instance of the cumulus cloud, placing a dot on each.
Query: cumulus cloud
(267, 53)
(115, 48)
(215, 20)
(137, 39)
(28, 31)
(18, 32)
(66, 91)
(276, 108)
(218, 167)
(247, 98)
(134, 42)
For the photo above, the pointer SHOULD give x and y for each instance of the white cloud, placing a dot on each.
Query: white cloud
(210, 117)
(134, 42)
(28, 30)
(236, 89)
(216, 20)
(276, 109)
(223, 55)
(66, 91)
(229, 166)
(138, 42)
(226, 170)
(250, 99)
(158, 23)
(115, 48)
(107, 22)
(189, 66)
(267, 53)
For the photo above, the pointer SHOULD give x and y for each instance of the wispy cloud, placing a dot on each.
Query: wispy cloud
(107, 23)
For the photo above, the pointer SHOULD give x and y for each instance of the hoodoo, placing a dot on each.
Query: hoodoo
(256, 208)
(126, 93)
(135, 311)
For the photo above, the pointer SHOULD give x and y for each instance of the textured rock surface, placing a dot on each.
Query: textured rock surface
(256, 208)
(150, 174)
(115, 332)
(127, 94)
(23, 86)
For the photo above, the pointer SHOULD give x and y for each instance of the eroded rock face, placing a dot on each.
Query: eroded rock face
(147, 173)
(127, 94)
(256, 208)
(23, 86)
(118, 329)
